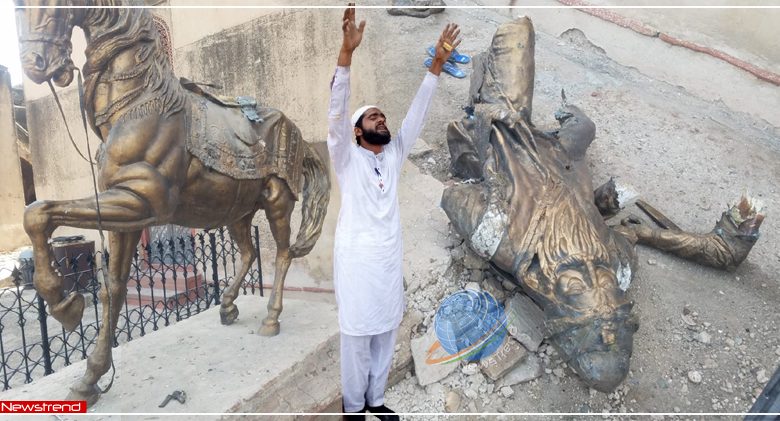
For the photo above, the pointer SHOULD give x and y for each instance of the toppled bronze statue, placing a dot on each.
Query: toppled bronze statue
(167, 156)
(529, 207)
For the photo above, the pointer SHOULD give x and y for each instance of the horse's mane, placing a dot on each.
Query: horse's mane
(109, 32)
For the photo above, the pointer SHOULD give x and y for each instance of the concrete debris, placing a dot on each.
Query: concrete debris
(506, 391)
(506, 357)
(525, 321)
(474, 286)
(508, 285)
(470, 369)
(688, 320)
(452, 402)
(429, 373)
(494, 288)
(472, 261)
(524, 372)
(695, 377)
(702, 337)
(761, 376)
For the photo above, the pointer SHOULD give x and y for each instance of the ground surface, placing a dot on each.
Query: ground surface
(687, 156)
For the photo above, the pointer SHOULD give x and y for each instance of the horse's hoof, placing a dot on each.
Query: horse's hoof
(228, 316)
(269, 328)
(84, 392)
(69, 311)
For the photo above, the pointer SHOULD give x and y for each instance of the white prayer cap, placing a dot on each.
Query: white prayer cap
(359, 112)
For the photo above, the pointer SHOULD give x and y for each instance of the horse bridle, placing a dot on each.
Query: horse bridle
(100, 271)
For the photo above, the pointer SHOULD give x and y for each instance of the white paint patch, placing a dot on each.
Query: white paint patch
(626, 195)
(487, 235)
(624, 277)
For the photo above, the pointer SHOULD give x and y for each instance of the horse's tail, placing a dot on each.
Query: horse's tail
(316, 195)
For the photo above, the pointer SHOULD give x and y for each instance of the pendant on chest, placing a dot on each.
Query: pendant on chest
(380, 181)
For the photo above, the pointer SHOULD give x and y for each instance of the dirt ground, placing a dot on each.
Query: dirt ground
(688, 157)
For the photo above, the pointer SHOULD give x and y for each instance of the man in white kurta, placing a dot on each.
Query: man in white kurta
(368, 251)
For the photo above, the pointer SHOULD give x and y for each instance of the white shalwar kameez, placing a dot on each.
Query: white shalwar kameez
(368, 251)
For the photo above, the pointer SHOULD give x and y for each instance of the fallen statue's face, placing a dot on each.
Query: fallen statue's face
(585, 286)
(588, 319)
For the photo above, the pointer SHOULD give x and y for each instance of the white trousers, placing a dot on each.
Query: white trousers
(365, 365)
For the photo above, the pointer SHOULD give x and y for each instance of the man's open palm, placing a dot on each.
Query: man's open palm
(353, 34)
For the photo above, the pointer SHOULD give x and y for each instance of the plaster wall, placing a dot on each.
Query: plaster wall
(12, 233)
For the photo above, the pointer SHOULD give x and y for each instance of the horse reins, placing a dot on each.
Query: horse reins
(100, 272)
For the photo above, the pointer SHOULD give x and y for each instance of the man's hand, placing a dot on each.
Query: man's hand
(353, 34)
(448, 41)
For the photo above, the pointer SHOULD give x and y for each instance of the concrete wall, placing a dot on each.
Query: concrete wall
(285, 59)
(12, 233)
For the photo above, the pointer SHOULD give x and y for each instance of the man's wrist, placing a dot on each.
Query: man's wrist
(345, 57)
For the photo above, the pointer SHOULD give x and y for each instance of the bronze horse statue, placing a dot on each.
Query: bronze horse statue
(530, 209)
(167, 156)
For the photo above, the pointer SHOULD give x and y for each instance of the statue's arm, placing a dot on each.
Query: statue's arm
(708, 249)
(725, 247)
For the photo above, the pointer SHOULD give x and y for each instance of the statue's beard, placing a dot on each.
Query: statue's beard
(374, 137)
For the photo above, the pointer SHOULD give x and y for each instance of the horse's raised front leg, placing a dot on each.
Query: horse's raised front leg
(112, 298)
(241, 233)
(120, 210)
(278, 204)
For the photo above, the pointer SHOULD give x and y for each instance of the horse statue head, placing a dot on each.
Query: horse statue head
(44, 33)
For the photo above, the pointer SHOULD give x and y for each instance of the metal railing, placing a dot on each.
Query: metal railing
(169, 281)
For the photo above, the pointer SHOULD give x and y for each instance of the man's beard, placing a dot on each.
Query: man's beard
(376, 138)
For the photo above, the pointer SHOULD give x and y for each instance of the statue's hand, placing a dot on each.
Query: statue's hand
(634, 228)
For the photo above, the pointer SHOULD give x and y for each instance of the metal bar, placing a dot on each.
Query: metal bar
(44, 336)
(22, 322)
(174, 264)
(214, 269)
(205, 268)
(259, 264)
(658, 217)
(163, 267)
(153, 304)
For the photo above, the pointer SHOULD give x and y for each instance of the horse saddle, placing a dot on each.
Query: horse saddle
(226, 141)
(247, 104)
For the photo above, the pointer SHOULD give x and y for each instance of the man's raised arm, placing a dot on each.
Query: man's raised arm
(339, 130)
(418, 110)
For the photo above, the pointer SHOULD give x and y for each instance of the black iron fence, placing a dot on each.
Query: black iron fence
(170, 280)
